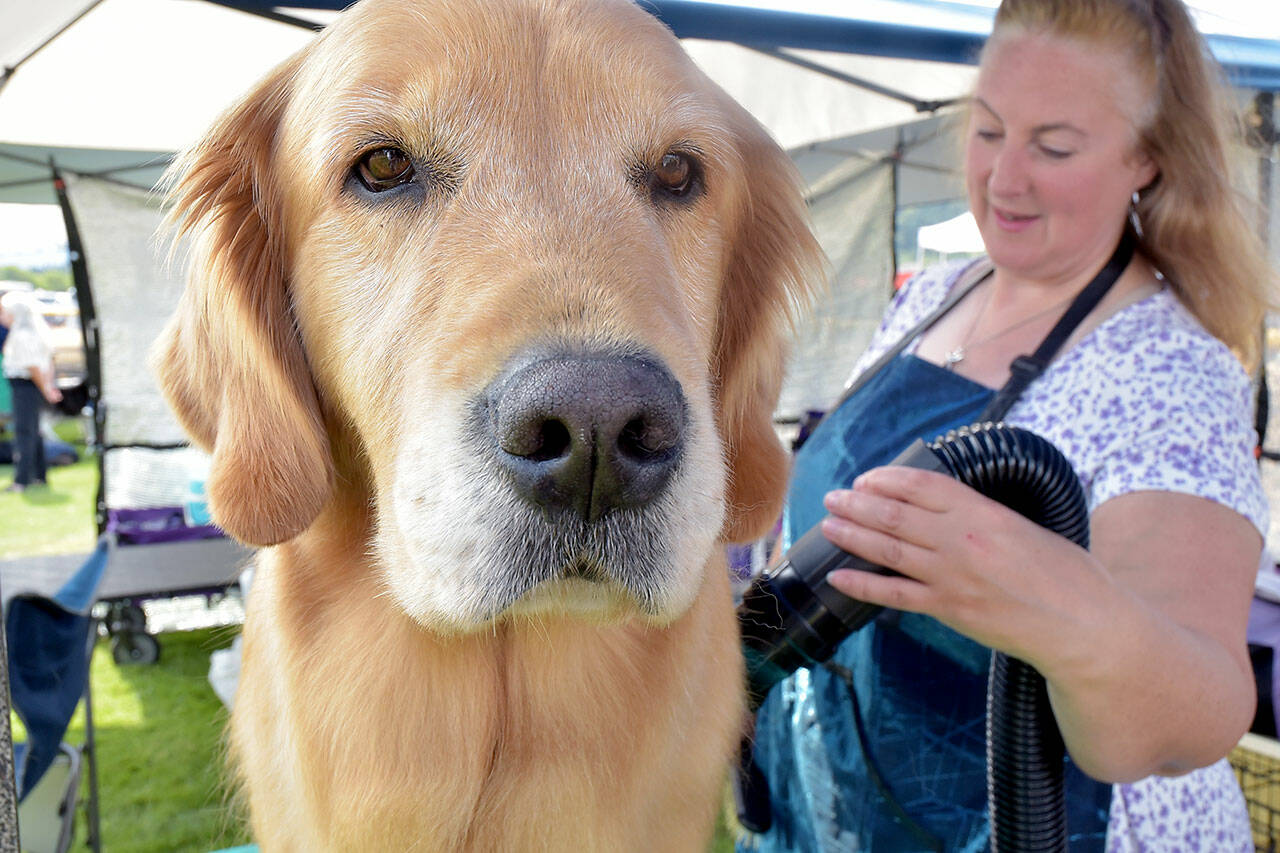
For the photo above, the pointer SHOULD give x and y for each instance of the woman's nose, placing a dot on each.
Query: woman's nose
(1009, 174)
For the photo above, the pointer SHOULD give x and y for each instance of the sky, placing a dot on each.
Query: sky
(33, 236)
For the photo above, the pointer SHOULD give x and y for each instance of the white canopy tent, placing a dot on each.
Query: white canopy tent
(108, 89)
(114, 86)
(132, 80)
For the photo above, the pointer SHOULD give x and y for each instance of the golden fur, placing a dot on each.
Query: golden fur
(326, 350)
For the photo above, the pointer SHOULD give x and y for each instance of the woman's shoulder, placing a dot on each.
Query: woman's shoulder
(1159, 342)
(1149, 367)
(1150, 400)
(923, 292)
(936, 281)
(918, 296)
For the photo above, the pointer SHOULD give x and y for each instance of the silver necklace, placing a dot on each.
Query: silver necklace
(961, 351)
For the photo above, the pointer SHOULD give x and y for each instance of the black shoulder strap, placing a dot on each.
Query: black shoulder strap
(1025, 369)
(970, 277)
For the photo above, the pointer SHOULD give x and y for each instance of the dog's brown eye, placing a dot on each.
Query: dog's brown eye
(675, 173)
(384, 168)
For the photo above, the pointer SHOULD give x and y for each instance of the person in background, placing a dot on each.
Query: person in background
(28, 366)
(1094, 125)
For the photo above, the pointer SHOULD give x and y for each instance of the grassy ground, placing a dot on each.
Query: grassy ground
(158, 734)
(56, 520)
(159, 727)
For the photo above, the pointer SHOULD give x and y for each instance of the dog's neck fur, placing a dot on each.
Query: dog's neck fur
(500, 745)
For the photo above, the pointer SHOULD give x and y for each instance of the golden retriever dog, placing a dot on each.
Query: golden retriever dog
(484, 332)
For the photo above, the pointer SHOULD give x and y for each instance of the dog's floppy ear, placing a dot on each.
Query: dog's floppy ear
(230, 361)
(774, 265)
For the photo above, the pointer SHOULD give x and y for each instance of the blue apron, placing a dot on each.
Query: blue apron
(884, 748)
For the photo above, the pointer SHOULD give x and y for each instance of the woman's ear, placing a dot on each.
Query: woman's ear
(774, 265)
(1147, 170)
(230, 362)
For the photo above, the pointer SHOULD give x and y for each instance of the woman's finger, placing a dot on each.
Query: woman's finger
(896, 593)
(925, 489)
(888, 515)
(875, 546)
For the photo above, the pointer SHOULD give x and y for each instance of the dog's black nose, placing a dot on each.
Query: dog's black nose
(588, 433)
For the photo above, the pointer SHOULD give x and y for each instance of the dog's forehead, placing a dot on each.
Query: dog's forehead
(505, 56)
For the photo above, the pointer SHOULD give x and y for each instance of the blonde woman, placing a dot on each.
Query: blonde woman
(1096, 128)
(28, 366)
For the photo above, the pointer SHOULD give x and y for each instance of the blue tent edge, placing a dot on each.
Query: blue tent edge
(1250, 63)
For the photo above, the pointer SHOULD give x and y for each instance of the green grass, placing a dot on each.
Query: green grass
(158, 731)
(158, 728)
(53, 520)
(159, 735)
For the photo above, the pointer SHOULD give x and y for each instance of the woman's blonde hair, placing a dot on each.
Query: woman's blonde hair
(1194, 228)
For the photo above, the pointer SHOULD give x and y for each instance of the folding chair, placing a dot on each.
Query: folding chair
(50, 643)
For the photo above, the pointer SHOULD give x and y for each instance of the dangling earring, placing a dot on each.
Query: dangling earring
(1133, 214)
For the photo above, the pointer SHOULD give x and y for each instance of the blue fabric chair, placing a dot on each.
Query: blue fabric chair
(50, 642)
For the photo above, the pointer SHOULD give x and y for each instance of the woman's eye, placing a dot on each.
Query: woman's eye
(384, 168)
(988, 135)
(1055, 153)
(675, 175)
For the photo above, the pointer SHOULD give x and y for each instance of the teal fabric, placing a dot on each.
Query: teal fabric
(6, 396)
(917, 688)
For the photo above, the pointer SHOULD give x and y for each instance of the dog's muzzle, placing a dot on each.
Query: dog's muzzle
(587, 433)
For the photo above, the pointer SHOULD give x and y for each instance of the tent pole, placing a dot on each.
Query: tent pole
(1264, 105)
(9, 69)
(89, 329)
(271, 15)
(1263, 136)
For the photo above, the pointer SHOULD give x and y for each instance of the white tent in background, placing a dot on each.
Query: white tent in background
(123, 86)
(130, 81)
(115, 86)
(955, 236)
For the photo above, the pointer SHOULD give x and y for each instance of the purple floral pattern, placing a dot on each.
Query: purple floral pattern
(1148, 400)
(1204, 810)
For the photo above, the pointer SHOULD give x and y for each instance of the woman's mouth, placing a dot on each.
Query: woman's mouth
(1009, 221)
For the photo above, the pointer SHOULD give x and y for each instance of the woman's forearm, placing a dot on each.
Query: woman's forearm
(1143, 695)
(44, 381)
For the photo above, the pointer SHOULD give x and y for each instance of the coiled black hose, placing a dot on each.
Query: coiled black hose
(790, 618)
(1025, 793)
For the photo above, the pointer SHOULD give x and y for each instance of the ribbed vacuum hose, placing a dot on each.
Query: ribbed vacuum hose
(1025, 792)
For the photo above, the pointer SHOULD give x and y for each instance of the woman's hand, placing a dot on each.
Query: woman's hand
(1141, 639)
(44, 381)
(968, 561)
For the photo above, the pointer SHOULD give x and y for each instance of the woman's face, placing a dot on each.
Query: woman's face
(1051, 159)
